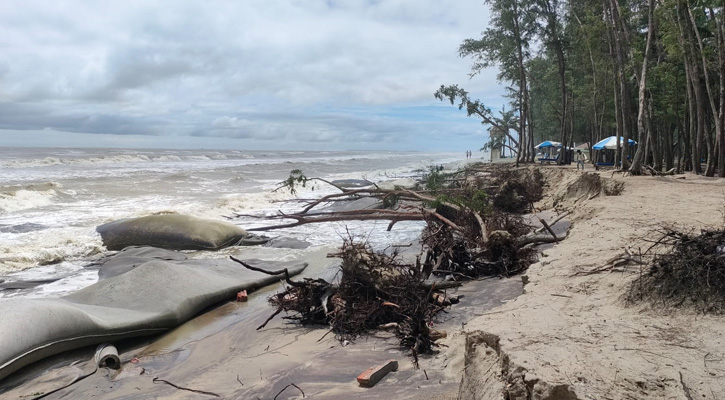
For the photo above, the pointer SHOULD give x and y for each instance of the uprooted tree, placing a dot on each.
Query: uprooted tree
(474, 228)
(683, 269)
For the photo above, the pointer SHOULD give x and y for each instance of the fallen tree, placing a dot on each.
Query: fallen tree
(473, 222)
(474, 228)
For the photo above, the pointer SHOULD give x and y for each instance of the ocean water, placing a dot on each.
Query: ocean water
(51, 200)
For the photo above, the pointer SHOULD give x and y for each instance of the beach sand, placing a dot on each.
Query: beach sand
(571, 328)
(568, 336)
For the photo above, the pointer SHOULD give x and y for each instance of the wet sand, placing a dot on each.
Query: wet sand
(222, 352)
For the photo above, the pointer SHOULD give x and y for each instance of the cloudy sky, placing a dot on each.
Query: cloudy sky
(245, 74)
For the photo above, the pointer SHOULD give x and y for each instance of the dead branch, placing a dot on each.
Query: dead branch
(264, 271)
(183, 388)
(562, 216)
(536, 239)
(548, 228)
(285, 388)
(442, 219)
(266, 321)
(373, 215)
(654, 172)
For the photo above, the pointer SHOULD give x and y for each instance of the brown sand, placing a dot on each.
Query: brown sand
(567, 337)
(574, 330)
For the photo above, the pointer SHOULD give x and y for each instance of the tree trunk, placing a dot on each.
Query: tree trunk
(643, 133)
(695, 118)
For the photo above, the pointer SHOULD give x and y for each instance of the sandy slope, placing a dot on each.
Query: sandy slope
(570, 336)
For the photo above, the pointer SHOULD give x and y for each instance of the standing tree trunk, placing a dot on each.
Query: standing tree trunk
(643, 133)
(696, 116)
(711, 97)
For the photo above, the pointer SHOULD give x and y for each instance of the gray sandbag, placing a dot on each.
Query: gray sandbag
(149, 299)
(352, 183)
(131, 257)
(253, 240)
(287, 243)
(405, 183)
(170, 231)
(27, 284)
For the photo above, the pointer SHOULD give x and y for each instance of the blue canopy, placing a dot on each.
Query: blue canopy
(547, 143)
(611, 143)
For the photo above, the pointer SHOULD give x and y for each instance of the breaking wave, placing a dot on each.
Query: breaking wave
(16, 198)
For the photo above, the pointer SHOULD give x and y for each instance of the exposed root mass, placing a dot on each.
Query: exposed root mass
(688, 272)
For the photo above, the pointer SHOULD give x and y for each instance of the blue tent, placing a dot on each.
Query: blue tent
(611, 143)
(547, 143)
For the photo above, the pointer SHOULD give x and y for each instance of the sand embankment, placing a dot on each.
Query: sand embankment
(570, 335)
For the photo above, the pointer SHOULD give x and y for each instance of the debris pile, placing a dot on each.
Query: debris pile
(688, 271)
(375, 291)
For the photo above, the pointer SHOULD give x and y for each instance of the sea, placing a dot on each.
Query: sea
(52, 200)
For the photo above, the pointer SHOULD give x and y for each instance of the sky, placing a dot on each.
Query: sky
(244, 74)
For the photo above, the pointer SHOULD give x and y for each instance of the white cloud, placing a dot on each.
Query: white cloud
(305, 69)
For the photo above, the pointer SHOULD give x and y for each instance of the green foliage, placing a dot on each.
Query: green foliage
(435, 178)
(499, 127)
(296, 178)
(477, 201)
(390, 200)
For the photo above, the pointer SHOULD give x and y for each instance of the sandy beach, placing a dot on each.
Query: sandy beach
(571, 328)
(564, 334)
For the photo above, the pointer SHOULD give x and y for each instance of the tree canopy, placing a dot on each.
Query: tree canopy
(578, 71)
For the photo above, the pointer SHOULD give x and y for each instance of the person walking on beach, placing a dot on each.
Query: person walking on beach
(581, 158)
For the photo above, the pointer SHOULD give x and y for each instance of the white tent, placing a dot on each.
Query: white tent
(611, 143)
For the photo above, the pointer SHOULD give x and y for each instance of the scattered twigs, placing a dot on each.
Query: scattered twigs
(183, 388)
(615, 263)
(285, 388)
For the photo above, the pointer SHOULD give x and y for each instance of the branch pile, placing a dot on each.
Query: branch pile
(491, 240)
(690, 272)
(375, 291)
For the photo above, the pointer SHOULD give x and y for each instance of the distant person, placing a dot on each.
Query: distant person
(581, 158)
